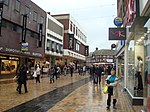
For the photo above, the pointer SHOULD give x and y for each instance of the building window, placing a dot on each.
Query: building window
(77, 46)
(42, 20)
(48, 47)
(34, 16)
(17, 6)
(27, 10)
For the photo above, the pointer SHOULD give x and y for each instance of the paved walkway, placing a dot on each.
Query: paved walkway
(77, 94)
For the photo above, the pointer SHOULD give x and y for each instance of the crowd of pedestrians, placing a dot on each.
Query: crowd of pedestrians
(111, 81)
(55, 72)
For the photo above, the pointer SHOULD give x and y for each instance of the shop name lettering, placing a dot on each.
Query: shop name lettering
(17, 51)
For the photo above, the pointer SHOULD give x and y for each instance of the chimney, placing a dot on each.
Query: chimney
(96, 48)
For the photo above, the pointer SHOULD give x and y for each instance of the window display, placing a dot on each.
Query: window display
(8, 66)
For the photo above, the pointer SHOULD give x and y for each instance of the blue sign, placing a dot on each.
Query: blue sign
(24, 47)
(118, 21)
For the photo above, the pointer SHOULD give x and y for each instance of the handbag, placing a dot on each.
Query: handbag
(105, 89)
(34, 74)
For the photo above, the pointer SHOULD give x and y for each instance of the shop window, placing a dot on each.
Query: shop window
(8, 66)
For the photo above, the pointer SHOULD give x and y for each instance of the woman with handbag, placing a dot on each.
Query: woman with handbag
(112, 82)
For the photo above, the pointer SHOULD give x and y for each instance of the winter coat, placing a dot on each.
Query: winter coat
(22, 77)
(114, 85)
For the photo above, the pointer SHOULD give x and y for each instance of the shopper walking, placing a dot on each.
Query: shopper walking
(51, 74)
(38, 72)
(71, 69)
(65, 70)
(22, 78)
(112, 82)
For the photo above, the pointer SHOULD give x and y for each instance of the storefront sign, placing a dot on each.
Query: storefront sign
(117, 33)
(12, 50)
(37, 54)
(9, 50)
(24, 46)
(118, 21)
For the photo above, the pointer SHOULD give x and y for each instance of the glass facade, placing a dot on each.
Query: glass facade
(138, 47)
(131, 65)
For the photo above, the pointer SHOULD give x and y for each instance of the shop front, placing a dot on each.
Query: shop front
(11, 59)
(136, 66)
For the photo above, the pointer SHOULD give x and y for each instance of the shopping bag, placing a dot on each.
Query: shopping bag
(105, 89)
(34, 74)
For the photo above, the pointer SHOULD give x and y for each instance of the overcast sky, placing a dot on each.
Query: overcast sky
(94, 16)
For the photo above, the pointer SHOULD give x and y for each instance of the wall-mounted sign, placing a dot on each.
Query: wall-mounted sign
(86, 50)
(24, 47)
(113, 46)
(118, 21)
(117, 33)
(24, 28)
(40, 35)
(71, 41)
(19, 52)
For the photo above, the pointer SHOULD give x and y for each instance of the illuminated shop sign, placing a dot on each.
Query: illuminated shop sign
(117, 33)
(24, 46)
(118, 21)
(20, 52)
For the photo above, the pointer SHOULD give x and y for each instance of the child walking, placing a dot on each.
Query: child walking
(112, 82)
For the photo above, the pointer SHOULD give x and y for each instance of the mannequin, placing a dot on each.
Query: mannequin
(138, 74)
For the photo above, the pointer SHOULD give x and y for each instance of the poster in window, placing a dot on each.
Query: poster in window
(71, 41)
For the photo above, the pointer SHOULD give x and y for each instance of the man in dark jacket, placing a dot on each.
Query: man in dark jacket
(22, 78)
(97, 74)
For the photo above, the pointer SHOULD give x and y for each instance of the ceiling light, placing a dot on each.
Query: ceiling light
(142, 37)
